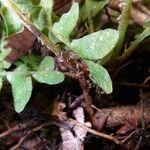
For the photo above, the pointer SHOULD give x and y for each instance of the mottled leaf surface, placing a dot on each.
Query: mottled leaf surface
(96, 45)
(66, 24)
(47, 74)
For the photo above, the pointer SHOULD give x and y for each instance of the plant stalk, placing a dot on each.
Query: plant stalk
(134, 45)
(122, 28)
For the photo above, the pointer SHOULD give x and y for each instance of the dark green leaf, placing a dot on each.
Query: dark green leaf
(42, 15)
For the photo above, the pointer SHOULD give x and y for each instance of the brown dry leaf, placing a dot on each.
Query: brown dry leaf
(131, 123)
(20, 43)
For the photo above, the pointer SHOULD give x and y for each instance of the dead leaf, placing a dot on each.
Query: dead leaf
(20, 43)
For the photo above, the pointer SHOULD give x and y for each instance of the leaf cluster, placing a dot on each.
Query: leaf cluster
(92, 48)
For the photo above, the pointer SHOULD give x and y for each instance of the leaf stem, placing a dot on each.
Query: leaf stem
(123, 24)
(28, 24)
(134, 45)
(90, 21)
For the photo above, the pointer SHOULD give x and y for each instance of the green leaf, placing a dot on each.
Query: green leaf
(21, 87)
(47, 64)
(11, 21)
(100, 76)
(1, 83)
(66, 24)
(96, 45)
(146, 24)
(46, 74)
(3, 53)
(42, 15)
(25, 6)
(93, 7)
(49, 77)
(31, 60)
(47, 6)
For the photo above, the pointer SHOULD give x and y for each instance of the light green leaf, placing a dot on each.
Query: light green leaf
(46, 74)
(49, 77)
(96, 45)
(47, 4)
(25, 6)
(21, 87)
(47, 64)
(66, 24)
(1, 83)
(100, 76)
(93, 7)
(11, 21)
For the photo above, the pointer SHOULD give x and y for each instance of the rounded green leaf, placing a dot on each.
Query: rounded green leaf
(47, 64)
(47, 74)
(66, 24)
(21, 87)
(49, 77)
(100, 76)
(96, 45)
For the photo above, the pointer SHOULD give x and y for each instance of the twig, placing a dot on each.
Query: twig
(129, 136)
(136, 85)
(17, 127)
(143, 8)
(28, 134)
(96, 108)
(142, 104)
(136, 15)
(103, 135)
(138, 144)
(8, 132)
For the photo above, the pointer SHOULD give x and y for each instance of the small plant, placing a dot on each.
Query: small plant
(37, 17)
